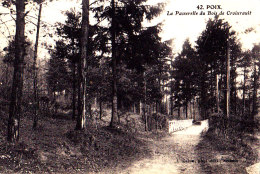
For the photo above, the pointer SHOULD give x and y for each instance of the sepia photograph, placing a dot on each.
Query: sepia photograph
(130, 86)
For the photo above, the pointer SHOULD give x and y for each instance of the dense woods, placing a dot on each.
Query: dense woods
(127, 66)
(118, 65)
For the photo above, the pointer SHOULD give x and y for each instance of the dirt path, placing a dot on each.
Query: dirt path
(174, 154)
(255, 167)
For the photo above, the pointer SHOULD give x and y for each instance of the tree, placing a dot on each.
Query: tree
(184, 71)
(17, 86)
(188, 54)
(82, 68)
(245, 64)
(255, 56)
(114, 73)
(125, 19)
(58, 69)
(35, 76)
(70, 35)
(212, 52)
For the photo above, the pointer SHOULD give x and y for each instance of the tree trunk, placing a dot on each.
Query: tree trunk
(171, 88)
(55, 104)
(235, 98)
(145, 110)
(35, 73)
(17, 86)
(254, 108)
(171, 104)
(220, 86)
(211, 87)
(74, 91)
(217, 94)
(141, 108)
(249, 103)
(194, 117)
(186, 109)
(114, 115)
(244, 92)
(191, 109)
(179, 112)
(81, 120)
(228, 81)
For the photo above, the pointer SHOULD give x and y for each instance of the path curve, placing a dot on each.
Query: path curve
(174, 154)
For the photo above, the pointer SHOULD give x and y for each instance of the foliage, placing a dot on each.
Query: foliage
(184, 73)
(138, 48)
(67, 50)
(58, 71)
(195, 70)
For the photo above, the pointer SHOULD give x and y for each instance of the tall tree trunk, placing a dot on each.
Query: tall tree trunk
(114, 114)
(17, 86)
(217, 94)
(254, 108)
(191, 109)
(79, 106)
(235, 98)
(145, 104)
(194, 117)
(35, 73)
(228, 81)
(249, 103)
(55, 106)
(244, 92)
(160, 89)
(74, 83)
(220, 86)
(171, 88)
(171, 104)
(81, 120)
(141, 108)
(74, 91)
(211, 87)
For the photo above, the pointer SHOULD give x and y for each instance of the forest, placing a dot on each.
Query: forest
(115, 79)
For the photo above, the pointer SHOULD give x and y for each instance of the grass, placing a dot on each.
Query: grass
(229, 151)
(56, 147)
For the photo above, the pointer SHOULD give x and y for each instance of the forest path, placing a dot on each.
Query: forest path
(255, 168)
(174, 154)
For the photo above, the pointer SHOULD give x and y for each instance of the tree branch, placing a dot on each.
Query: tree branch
(6, 26)
(4, 22)
(31, 22)
(93, 3)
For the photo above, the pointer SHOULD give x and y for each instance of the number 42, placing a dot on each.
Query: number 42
(200, 7)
